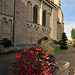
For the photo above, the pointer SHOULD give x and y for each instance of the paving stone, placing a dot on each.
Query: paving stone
(5, 69)
(67, 56)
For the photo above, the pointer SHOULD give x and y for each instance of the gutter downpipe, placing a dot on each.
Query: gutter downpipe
(13, 23)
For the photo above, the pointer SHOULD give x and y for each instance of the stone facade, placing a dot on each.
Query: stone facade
(16, 20)
(6, 18)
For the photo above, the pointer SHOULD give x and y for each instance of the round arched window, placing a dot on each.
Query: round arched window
(35, 10)
(44, 18)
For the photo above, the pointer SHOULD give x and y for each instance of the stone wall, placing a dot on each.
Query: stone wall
(60, 24)
(60, 30)
(53, 24)
(7, 7)
(24, 14)
(6, 27)
(20, 21)
(35, 32)
(6, 18)
(21, 13)
(60, 15)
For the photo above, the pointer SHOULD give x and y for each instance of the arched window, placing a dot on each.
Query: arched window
(44, 18)
(35, 13)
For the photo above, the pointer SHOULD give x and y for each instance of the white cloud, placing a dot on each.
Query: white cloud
(68, 5)
(66, 0)
(68, 27)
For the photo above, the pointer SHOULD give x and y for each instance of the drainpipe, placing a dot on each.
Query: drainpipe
(13, 22)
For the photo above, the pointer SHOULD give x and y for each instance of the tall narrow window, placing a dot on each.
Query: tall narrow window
(44, 18)
(35, 14)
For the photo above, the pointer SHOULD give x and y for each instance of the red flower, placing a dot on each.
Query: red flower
(18, 55)
(10, 72)
(25, 50)
(37, 52)
(29, 70)
(38, 49)
(48, 52)
(44, 56)
(18, 68)
(31, 52)
(36, 57)
(43, 52)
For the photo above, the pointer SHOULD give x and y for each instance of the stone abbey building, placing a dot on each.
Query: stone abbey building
(26, 21)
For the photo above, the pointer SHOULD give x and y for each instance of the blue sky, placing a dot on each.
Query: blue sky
(68, 9)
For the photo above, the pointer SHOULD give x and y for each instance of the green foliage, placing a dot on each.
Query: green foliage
(46, 46)
(59, 42)
(6, 42)
(73, 33)
(63, 44)
(43, 38)
(57, 49)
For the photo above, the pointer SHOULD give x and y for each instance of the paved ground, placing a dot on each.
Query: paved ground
(6, 64)
(5, 61)
(67, 56)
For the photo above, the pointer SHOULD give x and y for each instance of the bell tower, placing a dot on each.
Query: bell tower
(57, 2)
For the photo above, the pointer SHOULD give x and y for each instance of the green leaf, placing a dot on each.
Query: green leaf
(45, 45)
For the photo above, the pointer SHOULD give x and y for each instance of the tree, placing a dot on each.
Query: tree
(63, 44)
(73, 33)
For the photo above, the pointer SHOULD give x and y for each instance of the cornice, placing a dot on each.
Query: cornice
(60, 23)
(51, 4)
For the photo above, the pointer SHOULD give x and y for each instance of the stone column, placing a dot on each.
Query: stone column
(41, 12)
(48, 19)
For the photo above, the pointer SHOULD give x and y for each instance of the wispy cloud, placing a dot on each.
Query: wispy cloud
(68, 27)
(68, 8)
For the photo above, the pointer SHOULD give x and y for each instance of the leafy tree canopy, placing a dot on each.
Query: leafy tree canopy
(73, 33)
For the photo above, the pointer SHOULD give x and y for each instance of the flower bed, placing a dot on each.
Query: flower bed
(5, 42)
(34, 61)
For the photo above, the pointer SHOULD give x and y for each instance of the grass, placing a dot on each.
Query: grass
(57, 49)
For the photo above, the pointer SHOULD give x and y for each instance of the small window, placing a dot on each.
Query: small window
(44, 18)
(35, 14)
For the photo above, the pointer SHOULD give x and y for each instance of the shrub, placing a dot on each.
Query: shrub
(33, 61)
(6, 42)
(63, 44)
(45, 45)
(59, 42)
(74, 44)
(55, 41)
(44, 38)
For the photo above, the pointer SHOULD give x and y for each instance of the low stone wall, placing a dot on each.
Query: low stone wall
(15, 48)
(63, 67)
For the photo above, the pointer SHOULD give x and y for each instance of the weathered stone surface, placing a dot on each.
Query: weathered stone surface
(63, 67)
(17, 13)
